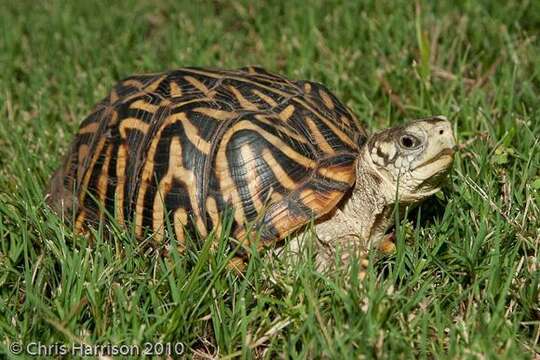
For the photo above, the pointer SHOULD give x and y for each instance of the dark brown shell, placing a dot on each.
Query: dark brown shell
(186, 146)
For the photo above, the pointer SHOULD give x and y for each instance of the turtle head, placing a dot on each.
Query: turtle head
(413, 159)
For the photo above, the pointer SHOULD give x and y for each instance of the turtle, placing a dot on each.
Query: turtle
(182, 150)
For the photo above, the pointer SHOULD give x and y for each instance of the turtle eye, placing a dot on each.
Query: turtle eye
(408, 141)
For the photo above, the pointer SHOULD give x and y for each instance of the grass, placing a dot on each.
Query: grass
(465, 280)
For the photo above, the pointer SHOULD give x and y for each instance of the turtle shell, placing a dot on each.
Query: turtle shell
(187, 146)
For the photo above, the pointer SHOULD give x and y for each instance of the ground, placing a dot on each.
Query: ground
(464, 281)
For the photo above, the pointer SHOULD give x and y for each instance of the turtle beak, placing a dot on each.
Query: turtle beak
(442, 134)
(438, 155)
(445, 134)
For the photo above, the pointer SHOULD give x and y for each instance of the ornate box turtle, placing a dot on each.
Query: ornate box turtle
(192, 144)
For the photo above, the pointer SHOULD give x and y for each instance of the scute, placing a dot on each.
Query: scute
(191, 144)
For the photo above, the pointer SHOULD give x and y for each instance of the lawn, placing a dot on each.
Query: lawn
(465, 279)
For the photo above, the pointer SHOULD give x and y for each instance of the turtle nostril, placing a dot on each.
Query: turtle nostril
(441, 132)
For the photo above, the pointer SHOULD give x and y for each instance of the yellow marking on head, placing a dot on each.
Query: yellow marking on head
(265, 97)
(319, 137)
(286, 113)
(327, 100)
(200, 86)
(143, 105)
(220, 115)
(245, 103)
(175, 90)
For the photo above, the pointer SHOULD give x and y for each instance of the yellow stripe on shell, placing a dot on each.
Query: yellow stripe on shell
(277, 142)
(220, 115)
(280, 174)
(176, 167)
(90, 170)
(155, 84)
(133, 83)
(327, 100)
(286, 113)
(254, 186)
(132, 123)
(104, 176)
(285, 129)
(238, 78)
(113, 96)
(192, 133)
(79, 222)
(89, 129)
(200, 86)
(265, 97)
(121, 180)
(82, 153)
(175, 89)
(339, 133)
(180, 218)
(158, 208)
(212, 209)
(244, 103)
(143, 105)
(320, 140)
(189, 178)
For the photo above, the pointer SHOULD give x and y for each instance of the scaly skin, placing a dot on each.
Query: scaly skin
(403, 165)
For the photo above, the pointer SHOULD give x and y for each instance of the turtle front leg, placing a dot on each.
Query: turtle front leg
(346, 248)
